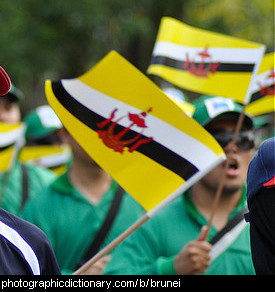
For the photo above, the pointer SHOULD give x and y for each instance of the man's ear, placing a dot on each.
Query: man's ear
(64, 135)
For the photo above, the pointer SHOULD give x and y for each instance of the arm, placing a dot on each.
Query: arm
(144, 254)
(194, 257)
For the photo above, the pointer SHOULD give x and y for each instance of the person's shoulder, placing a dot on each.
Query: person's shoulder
(39, 170)
(129, 201)
(13, 174)
(31, 233)
(29, 240)
(173, 212)
(174, 208)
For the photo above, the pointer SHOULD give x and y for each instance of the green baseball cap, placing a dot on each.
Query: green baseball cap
(262, 120)
(41, 122)
(209, 108)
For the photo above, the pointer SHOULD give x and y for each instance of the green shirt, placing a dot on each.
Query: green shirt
(38, 179)
(71, 222)
(152, 248)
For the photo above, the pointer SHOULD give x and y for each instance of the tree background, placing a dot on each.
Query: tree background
(54, 39)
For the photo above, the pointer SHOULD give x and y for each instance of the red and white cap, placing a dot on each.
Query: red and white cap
(5, 82)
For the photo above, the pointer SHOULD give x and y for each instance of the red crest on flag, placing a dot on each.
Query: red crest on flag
(201, 70)
(268, 90)
(115, 140)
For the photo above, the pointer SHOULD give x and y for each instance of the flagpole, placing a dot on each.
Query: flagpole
(222, 182)
(112, 245)
(236, 134)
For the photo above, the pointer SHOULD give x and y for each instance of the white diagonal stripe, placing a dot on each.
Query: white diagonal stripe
(165, 134)
(17, 240)
(221, 245)
(52, 160)
(223, 55)
(261, 79)
(10, 137)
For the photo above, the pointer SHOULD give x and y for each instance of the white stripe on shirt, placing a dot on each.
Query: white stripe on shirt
(19, 242)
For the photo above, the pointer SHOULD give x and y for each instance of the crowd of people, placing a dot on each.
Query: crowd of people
(81, 209)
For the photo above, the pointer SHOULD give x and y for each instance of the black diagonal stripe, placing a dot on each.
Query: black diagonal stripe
(223, 67)
(6, 147)
(258, 94)
(153, 150)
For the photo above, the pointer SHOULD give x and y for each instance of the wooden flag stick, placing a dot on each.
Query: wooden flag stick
(222, 182)
(236, 134)
(112, 245)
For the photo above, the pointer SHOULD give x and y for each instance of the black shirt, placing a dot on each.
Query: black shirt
(24, 248)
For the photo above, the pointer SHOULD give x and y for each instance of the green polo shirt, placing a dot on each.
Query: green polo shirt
(152, 248)
(71, 222)
(38, 179)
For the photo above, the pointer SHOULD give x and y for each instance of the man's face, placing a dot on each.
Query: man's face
(9, 111)
(238, 162)
(78, 152)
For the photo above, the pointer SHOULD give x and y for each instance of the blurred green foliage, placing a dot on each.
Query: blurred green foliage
(55, 39)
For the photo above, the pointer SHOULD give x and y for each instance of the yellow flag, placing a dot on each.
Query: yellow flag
(204, 61)
(262, 99)
(54, 157)
(11, 136)
(132, 129)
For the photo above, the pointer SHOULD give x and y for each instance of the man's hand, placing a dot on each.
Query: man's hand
(98, 267)
(194, 257)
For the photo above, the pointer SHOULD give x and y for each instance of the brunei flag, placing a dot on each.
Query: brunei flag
(11, 137)
(132, 129)
(203, 61)
(54, 157)
(262, 97)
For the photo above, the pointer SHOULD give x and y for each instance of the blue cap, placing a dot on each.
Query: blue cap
(261, 170)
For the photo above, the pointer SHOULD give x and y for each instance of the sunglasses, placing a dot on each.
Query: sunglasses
(245, 140)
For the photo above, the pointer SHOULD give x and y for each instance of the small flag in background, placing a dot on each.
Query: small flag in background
(131, 128)
(11, 139)
(179, 98)
(262, 98)
(54, 157)
(204, 61)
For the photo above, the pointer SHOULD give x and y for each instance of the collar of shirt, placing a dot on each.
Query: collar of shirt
(201, 220)
(63, 185)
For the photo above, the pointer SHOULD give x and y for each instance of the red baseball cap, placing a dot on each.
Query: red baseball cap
(5, 82)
